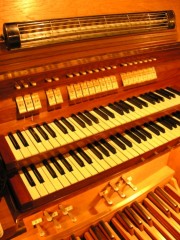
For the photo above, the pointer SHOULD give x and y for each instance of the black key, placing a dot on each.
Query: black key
(49, 168)
(176, 114)
(101, 114)
(161, 129)
(101, 148)
(116, 109)
(50, 130)
(76, 158)
(57, 166)
(117, 142)
(122, 106)
(126, 105)
(68, 124)
(139, 134)
(85, 119)
(33, 133)
(152, 129)
(21, 137)
(108, 146)
(165, 123)
(78, 120)
(162, 93)
(170, 121)
(124, 140)
(84, 155)
(134, 137)
(148, 98)
(107, 112)
(60, 126)
(134, 102)
(173, 121)
(143, 131)
(154, 97)
(13, 140)
(95, 151)
(165, 120)
(173, 90)
(42, 132)
(36, 173)
(143, 103)
(139, 102)
(91, 116)
(65, 163)
(28, 177)
(169, 93)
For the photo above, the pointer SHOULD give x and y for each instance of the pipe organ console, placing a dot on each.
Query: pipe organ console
(90, 127)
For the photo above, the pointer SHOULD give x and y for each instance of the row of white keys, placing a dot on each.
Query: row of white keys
(63, 138)
(16, 152)
(31, 189)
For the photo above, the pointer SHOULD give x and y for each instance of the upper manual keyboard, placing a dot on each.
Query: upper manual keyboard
(47, 136)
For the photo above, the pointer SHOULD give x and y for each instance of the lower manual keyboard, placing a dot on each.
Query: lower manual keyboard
(40, 181)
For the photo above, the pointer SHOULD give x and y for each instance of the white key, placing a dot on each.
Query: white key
(78, 128)
(69, 175)
(45, 143)
(88, 166)
(62, 178)
(47, 183)
(75, 171)
(39, 186)
(62, 137)
(24, 150)
(55, 181)
(32, 190)
(95, 162)
(38, 145)
(16, 152)
(104, 124)
(80, 169)
(31, 146)
(119, 156)
(52, 140)
(72, 134)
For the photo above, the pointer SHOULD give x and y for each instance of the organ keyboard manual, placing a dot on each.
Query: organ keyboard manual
(90, 121)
